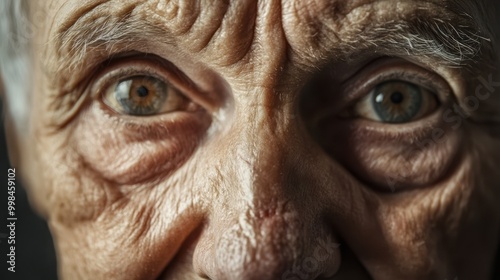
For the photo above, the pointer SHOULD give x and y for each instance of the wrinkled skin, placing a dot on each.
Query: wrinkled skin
(247, 185)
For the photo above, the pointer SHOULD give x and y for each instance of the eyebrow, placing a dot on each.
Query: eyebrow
(105, 32)
(455, 44)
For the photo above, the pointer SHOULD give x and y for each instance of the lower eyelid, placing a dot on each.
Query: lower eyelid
(155, 125)
(125, 150)
(374, 151)
(410, 132)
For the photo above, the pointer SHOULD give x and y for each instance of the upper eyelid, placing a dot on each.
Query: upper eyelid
(173, 96)
(125, 67)
(406, 77)
(209, 96)
(356, 88)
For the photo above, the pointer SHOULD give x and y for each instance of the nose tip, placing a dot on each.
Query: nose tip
(272, 250)
(242, 253)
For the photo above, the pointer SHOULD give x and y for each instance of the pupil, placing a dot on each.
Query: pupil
(397, 97)
(142, 91)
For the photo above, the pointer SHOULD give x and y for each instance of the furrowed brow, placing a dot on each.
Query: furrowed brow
(455, 41)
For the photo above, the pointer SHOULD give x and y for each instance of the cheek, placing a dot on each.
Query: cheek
(132, 225)
(451, 224)
(94, 221)
(131, 152)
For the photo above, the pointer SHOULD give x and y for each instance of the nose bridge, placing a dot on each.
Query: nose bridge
(261, 230)
(262, 159)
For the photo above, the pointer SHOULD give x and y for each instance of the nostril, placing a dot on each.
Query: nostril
(204, 276)
(242, 253)
(351, 267)
(320, 261)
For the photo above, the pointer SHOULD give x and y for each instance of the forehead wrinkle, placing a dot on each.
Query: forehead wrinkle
(178, 16)
(91, 27)
(391, 35)
(107, 26)
(83, 36)
(425, 29)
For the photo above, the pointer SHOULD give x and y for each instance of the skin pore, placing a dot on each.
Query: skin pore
(263, 159)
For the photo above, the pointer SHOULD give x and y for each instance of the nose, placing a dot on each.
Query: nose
(266, 221)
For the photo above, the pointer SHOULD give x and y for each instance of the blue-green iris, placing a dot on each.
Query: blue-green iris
(397, 101)
(140, 95)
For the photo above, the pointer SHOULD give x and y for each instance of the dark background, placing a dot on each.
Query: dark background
(35, 257)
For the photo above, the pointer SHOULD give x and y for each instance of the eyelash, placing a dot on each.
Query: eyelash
(360, 85)
(427, 81)
(117, 73)
(110, 72)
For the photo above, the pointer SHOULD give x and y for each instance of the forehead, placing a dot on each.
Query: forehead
(238, 35)
(64, 7)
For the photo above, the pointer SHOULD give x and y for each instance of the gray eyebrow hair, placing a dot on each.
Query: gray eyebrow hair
(104, 33)
(457, 44)
(454, 44)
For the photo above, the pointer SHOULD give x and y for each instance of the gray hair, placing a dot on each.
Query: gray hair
(15, 28)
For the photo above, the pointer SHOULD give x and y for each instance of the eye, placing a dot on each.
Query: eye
(397, 102)
(144, 96)
(386, 121)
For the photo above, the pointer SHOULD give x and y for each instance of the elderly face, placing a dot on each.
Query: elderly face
(266, 140)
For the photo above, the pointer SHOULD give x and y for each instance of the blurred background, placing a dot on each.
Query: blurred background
(35, 256)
